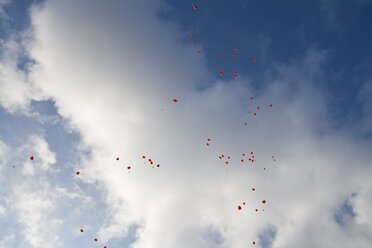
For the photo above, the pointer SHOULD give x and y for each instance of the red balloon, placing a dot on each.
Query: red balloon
(254, 60)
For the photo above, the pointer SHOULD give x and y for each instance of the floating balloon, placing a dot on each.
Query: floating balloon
(254, 60)
(235, 75)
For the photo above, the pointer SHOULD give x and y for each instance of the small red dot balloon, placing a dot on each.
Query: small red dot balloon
(239, 207)
(264, 201)
(117, 159)
(195, 7)
(129, 167)
(254, 242)
(95, 239)
(31, 157)
(270, 105)
(254, 60)
(175, 100)
(253, 189)
(220, 73)
(78, 173)
(81, 230)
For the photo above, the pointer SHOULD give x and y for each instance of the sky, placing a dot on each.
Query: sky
(165, 123)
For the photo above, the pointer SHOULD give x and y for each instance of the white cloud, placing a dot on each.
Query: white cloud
(2, 211)
(111, 69)
(7, 241)
(43, 158)
(31, 204)
(16, 91)
(34, 208)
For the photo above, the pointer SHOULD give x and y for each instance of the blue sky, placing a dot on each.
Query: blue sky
(84, 84)
(280, 32)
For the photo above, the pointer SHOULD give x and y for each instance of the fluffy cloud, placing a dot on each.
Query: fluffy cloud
(31, 203)
(113, 70)
(16, 91)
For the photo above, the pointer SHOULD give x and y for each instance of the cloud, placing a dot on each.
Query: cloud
(38, 148)
(16, 91)
(3, 3)
(113, 70)
(7, 241)
(2, 211)
(31, 203)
